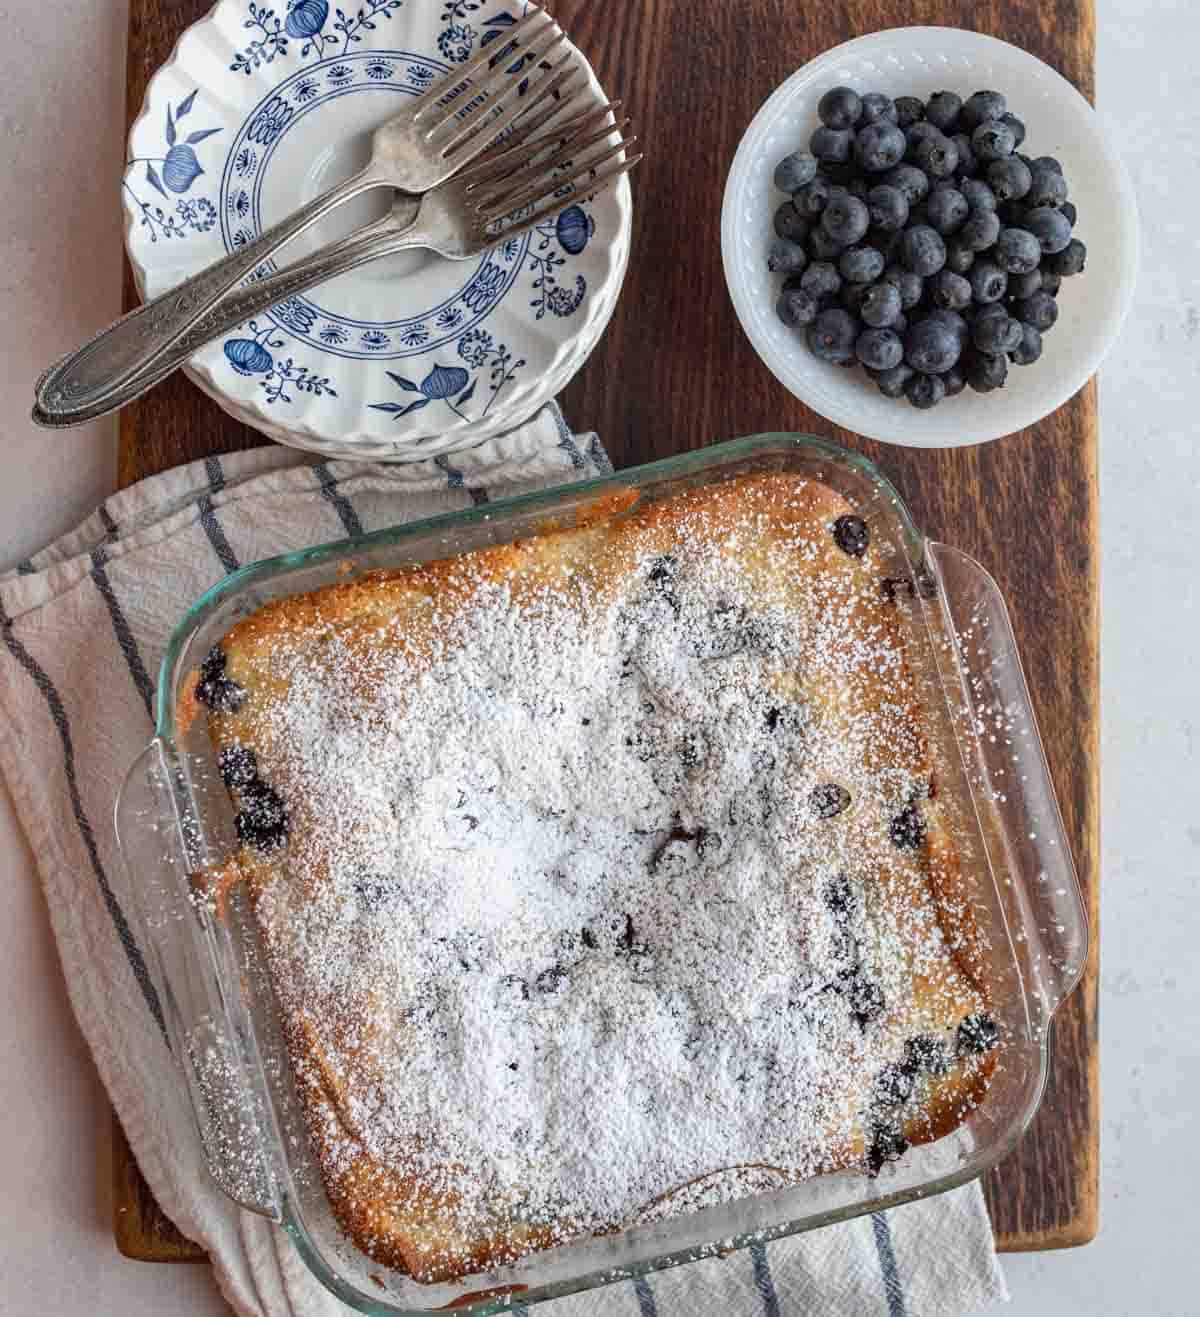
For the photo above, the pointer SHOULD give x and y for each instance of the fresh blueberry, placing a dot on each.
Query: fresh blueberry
(977, 1034)
(858, 187)
(860, 265)
(1009, 179)
(879, 146)
(887, 206)
(827, 801)
(988, 281)
(899, 325)
(993, 140)
(881, 305)
(993, 330)
(846, 219)
(980, 231)
(840, 107)
(925, 391)
(910, 180)
(917, 133)
(1070, 261)
(1048, 162)
(877, 106)
(1017, 251)
(942, 110)
(907, 829)
(1047, 187)
(1040, 310)
(852, 297)
(1069, 211)
(1024, 285)
(1051, 281)
(922, 250)
(1029, 349)
(909, 110)
(946, 210)
(959, 257)
(981, 107)
(796, 307)
(790, 224)
(909, 285)
(809, 199)
(1050, 228)
(979, 196)
(950, 290)
(893, 1086)
(885, 241)
(953, 321)
(794, 170)
(831, 336)
(1012, 214)
(880, 349)
(831, 145)
(937, 156)
(852, 535)
(967, 164)
(262, 821)
(931, 346)
(823, 247)
(954, 380)
(891, 382)
(985, 372)
(784, 257)
(1016, 127)
(821, 279)
(840, 173)
(926, 1054)
(237, 765)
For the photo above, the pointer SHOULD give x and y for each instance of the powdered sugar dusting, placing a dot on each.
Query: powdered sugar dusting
(559, 919)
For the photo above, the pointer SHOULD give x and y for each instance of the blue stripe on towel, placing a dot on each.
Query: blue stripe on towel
(645, 1297)
(345, 510)
(58, 715)
(887, 1265)
(133, 658)
(208, 516)
(764, 1280)
(456, 480)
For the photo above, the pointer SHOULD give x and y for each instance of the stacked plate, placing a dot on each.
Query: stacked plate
(258, 111)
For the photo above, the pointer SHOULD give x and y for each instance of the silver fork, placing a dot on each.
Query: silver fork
(498, 197)
(429, 141)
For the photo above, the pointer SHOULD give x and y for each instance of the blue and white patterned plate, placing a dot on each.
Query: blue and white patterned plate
(260, 108)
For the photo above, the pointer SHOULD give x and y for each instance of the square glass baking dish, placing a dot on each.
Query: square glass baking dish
(174, 821)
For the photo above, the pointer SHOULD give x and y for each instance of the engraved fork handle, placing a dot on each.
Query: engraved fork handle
(393, 232)
(78, 387)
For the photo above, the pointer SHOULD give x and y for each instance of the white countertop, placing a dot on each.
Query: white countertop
(61, 113)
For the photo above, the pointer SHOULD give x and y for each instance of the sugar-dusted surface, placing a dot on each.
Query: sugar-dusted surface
(607, 868)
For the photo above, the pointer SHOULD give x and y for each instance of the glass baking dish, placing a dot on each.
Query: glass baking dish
(174, 820)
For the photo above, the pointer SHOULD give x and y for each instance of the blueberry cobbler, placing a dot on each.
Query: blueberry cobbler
(604, 874)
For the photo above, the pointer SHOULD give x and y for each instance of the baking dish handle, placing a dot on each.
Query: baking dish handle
(1008, 776)
(190, 956)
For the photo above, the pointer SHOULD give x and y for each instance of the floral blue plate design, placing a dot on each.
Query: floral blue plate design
(262, 106)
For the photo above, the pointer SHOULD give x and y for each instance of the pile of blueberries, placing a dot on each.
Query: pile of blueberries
(920, 242)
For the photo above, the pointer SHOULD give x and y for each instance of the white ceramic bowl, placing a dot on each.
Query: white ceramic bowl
(917, 61)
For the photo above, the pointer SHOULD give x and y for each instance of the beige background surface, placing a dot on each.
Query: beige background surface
(61, 89)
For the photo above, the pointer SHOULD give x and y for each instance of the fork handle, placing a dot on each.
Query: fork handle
(78, 388)
(394, 232)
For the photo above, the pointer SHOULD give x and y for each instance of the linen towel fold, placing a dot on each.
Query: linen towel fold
(83, 624)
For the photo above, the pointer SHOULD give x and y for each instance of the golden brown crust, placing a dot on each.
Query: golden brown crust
(398, 1220)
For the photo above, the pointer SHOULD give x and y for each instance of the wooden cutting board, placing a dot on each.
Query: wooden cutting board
(675, 372)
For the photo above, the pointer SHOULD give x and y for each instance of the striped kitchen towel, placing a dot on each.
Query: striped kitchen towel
(82, 627)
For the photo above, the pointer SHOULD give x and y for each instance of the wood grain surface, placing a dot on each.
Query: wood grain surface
(675, 372)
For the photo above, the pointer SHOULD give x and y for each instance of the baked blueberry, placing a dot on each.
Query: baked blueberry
(796, 307)
(1040, 310)
(981, 107)
(926, 1054)
(865, 997)
(786, 257)
(893, 1086)
(809, 199)
(888, 1144)
(262, 821)
(821, 279)
(887, 207)
(977, 1034)
(925, 391)
(852, 535)
(829, 800)
(950, 290)
(794, 170)
(373, 890)
(1009, 179)
(880, 349)
(1050, 228)
(909, 110)
(831, 336)
(876, 106)
(881, 306)
(922, 250)
(840, 107)
(238, 766)
(879, 146)
(1070, 261)
(907, 829)
(891, 382)
(846, 219)
(1029, 349)
(215, 689)
(942, 110)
